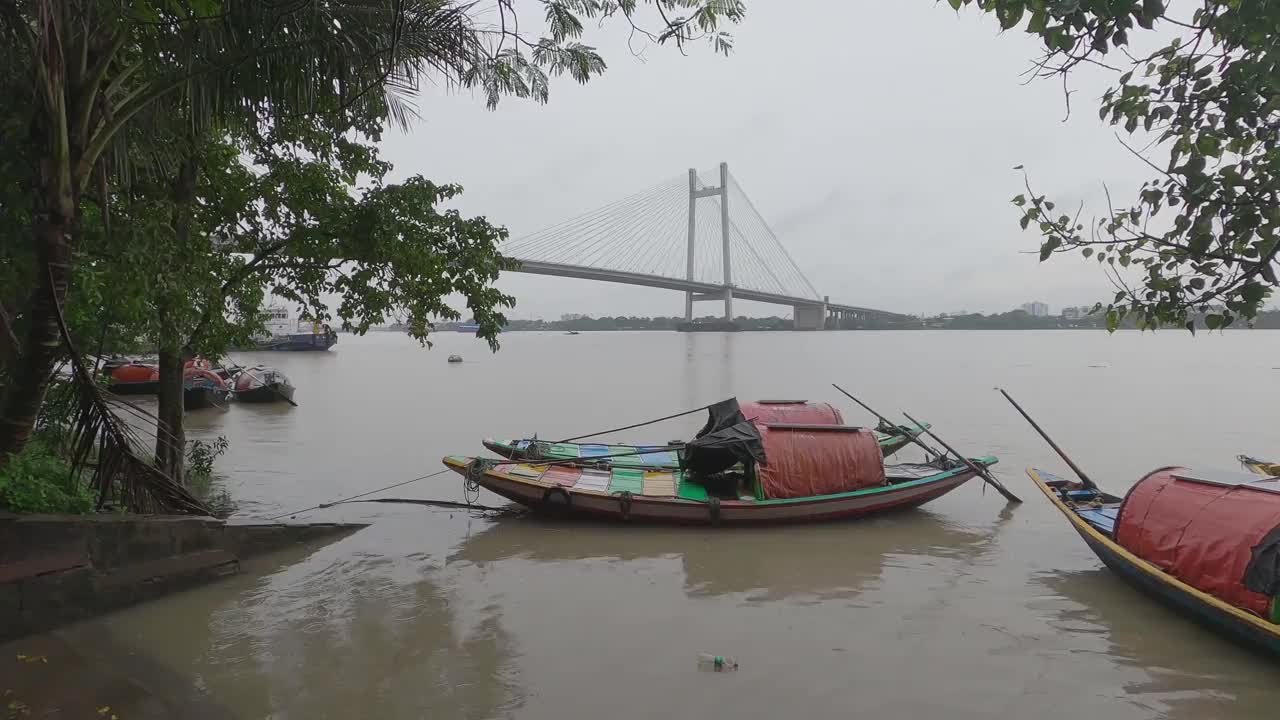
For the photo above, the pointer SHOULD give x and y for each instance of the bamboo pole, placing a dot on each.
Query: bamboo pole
(914, 438)
(1061, 453)
(981, 471)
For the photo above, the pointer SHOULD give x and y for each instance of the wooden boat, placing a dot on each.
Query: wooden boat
(262, 384)
(203, 388)
(669, 496)
(735, 471)
(1094, 514)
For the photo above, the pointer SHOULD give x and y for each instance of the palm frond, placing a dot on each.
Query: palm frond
(102, 443)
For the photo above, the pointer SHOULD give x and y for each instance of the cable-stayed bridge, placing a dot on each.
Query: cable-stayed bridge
(698, 234)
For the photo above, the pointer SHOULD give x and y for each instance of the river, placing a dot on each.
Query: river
(964, 608)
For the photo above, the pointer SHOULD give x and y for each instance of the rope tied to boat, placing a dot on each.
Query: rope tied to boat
(624, 503)
(471, 478)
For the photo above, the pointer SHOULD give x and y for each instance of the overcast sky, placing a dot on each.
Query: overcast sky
(877, 138)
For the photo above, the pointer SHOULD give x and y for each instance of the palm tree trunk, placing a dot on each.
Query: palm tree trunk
(41, 345)
(170, 435)
(171, 443)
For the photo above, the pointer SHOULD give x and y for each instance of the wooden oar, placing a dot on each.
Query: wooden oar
(982, 471)
(240, 369)
(1089, 484)
(913, 438)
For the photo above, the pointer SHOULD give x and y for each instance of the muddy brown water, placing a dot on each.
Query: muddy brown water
(964, 608)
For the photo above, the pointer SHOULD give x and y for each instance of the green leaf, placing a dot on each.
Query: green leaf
(1009, 15)
(955, 4)
(1153, 8)
(1213, 321)
(1047, 248)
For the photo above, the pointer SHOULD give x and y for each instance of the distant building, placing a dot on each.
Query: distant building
(1036, 309)
(572, 316)
(1076, 313)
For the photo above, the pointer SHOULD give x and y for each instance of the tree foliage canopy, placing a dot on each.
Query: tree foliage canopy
(170, 164)
(1202, 235)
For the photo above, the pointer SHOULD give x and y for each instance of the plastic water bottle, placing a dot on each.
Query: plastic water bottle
(716, 663)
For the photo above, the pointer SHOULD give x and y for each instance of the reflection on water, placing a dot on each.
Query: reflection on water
(770, 563)
(965, 608)
(1197, 673)
(346, 631)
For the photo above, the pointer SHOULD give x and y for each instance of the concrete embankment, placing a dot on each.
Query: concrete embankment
(56, 569)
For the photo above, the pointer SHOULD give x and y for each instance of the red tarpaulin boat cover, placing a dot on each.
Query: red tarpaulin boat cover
(136, 373)
(1201, 533)
(791, 411)
(818, 461)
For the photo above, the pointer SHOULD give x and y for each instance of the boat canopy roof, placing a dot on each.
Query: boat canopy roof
(789, 459)
(1215, 532)
(806, 460)
(791, 411)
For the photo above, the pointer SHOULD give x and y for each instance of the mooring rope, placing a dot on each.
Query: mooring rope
(356, 497)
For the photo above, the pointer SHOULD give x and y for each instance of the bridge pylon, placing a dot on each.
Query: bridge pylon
(695, 193)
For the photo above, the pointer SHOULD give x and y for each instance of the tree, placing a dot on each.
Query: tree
(100, 69)
(93, 67)
(1202, 236)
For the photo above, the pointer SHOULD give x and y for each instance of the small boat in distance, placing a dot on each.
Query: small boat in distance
(262, 384)
(282, 333)
(1259, 467)
(468, 327)
(455, 358)
(736, 471)
(133, 377)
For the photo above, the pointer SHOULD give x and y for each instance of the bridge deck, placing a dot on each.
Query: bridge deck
(657, 281)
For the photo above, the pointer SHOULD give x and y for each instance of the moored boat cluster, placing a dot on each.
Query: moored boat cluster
(204, 383)
(1207, 543)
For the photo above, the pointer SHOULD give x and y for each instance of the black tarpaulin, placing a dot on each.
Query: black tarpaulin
(728, 438)
(1262, 574)
(723, 414)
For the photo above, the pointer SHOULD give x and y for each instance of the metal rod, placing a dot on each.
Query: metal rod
(1061, 453)
(981, 471)
(885, 420)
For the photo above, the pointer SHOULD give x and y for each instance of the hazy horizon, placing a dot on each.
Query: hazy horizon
(878, 141)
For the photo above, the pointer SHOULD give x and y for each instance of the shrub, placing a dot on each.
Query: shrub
(38, 480)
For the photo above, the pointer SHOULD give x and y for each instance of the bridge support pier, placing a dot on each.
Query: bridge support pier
(809, 317)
